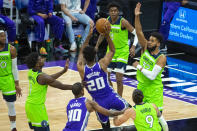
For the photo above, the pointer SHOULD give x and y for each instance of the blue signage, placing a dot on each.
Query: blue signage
(183, 28)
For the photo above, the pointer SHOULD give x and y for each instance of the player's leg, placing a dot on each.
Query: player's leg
(121, 63)
(117, 102)
(104, 120)
(119, 77)
(110, 67)
(154, 94)
(37, 117)
(9, 95)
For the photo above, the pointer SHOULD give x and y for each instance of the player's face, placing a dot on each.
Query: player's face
(113, 12)
(41, 61)
(2, 38)
(152, 43)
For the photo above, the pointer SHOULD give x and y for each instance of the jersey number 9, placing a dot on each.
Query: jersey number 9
(149, 120)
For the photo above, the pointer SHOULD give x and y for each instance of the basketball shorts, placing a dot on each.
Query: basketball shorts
(36, 114)
(153, 95)
(114, 102)
(7, 85)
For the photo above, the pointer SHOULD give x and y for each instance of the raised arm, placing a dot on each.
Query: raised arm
(138, 27)
(100, 39)
(80, 61)
(104, 62)
(129, 113)
(45, 79)
(58, 74)
(93, 106)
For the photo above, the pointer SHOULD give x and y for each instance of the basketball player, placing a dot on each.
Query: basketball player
(146, 116)
(79, 109)
(151, 65)
(95, 75)
(9, 80)
(38, 84)
(119, 36)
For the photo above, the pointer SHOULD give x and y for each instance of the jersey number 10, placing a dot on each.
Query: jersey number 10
(74, 115)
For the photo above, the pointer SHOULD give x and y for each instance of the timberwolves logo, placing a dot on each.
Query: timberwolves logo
(182, 13)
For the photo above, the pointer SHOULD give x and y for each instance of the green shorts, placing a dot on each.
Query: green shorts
(7, 85)
(36, 114)
(153, 95)
(121, 55)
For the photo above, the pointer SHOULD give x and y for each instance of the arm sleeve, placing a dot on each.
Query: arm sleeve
(31, 11)
(163, 123)
(135, 37)
(151, 74)
(15, 69)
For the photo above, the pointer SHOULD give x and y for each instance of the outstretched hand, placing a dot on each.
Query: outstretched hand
(137, 9)
(66, 65)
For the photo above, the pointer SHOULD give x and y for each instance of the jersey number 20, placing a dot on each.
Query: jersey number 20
(98, 82)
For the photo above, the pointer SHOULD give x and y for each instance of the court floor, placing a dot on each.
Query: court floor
(180, 95)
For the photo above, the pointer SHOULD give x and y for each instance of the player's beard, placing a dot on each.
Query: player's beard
(151, 49)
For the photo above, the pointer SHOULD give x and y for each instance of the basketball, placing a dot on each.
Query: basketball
(100, 24)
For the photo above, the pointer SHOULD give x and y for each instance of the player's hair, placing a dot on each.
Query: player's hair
(76, 88)
(158, 36)
(31, 60)
(137, 96)
(113, 4)
(89, 53)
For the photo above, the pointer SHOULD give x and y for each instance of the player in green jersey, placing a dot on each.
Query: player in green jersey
(146, 116)
(9, 80)
(38, 84)
(119, 35)
(151, 65)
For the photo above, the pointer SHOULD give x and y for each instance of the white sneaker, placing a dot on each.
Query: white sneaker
(73, 47)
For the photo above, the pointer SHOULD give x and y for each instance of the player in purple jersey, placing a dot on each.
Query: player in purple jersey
(79, 108)
(96, 78)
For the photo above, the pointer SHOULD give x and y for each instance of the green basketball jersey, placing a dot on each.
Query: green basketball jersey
(146, 118)
(148, 62)
(5, 61)
(119, 36)
(37, 92)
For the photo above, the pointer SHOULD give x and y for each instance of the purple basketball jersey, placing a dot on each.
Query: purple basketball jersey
(99, 88)
(77, 114)
(97, 81)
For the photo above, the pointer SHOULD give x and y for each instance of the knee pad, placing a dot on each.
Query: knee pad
(11, 109)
